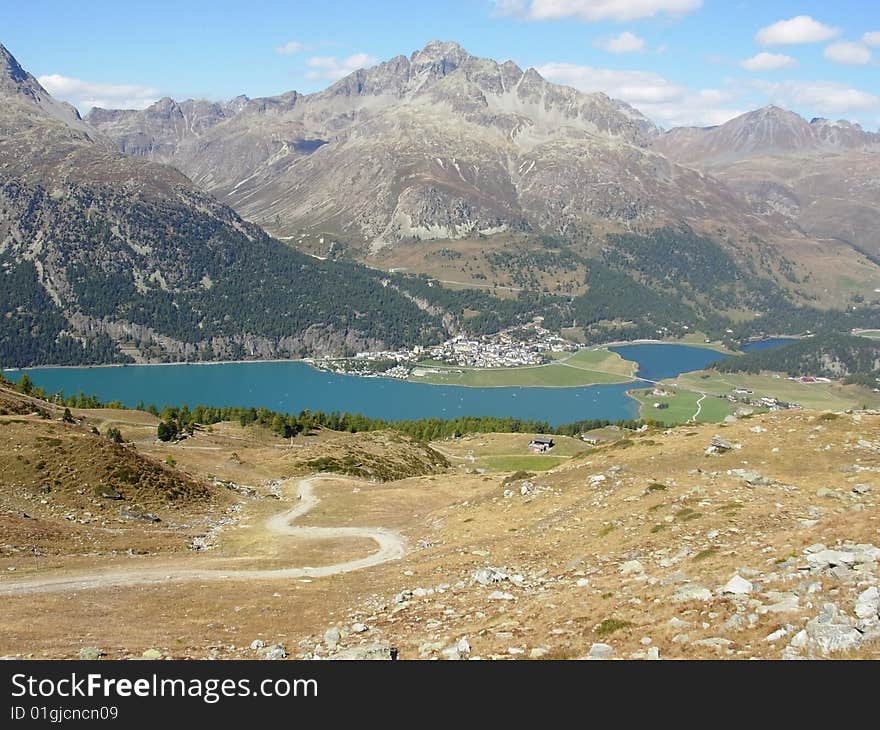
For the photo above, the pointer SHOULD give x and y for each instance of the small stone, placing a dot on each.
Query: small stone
(257, 644)
(500, 596)
(862, 488)
(152, 654)
(358, 628)
(331, 637)
(692, 593)
(630, 567)
(601, 651)
(90, 654)
(778, 634)
(274, 653)
(538, 652)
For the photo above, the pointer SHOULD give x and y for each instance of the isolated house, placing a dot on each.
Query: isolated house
(539, 444)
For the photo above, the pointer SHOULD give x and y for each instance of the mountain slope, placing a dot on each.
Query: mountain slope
(823, 175)
(104, 257)
(442, 145)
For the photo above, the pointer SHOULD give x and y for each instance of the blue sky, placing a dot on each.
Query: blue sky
(679, 61)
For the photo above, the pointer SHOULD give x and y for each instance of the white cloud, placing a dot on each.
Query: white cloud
(290, 48)
(658, 98)
(768, 62)
(594, 10)
(86, 94)
(626, 42)
(851, 54)
(872, 38)
(801, 29)
(332, 68)
(828, 97)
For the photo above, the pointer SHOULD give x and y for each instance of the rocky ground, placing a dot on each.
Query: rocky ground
(754, 539)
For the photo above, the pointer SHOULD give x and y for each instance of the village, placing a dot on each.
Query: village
(515, 347)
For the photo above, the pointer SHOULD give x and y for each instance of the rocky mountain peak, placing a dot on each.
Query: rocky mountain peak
(17, 84)
(10, 68)
(441, 57)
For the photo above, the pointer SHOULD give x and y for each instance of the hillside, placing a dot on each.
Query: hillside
(824, 355)
(444, 146)
(821, 175)
(106, 257)
(647, 546)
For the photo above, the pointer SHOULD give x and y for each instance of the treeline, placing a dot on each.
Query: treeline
(185, 420)
(830, 354)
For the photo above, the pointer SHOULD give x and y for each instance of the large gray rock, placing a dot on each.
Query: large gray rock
(90, 653)
(868, 604)
(829, 632)
(488, 575)
(737, 586)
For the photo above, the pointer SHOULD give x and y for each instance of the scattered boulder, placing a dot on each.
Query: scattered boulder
(275, 652)
(90, 654)
(868, 604)
(737, 586)
(331, 637)
(630, 567)
(365, 652)
(500, 596)
(152, 654)
(831, 631)
(486, 576)
(601, 651)
(720, 445)
(692, 592)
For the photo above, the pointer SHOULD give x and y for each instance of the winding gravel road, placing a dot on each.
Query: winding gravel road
(391, 547)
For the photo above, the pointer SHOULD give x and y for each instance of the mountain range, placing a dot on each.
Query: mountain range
(107, 257)
(142, 233)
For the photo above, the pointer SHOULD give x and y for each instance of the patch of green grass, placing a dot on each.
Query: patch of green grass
(658, 528)
(731, 507)
(827, 417)
(686, 514)
(657, 487)
(609, 625)
(606, 530)
(606, 596)
(703, 554)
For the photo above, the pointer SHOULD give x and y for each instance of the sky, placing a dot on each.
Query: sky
(680, 62)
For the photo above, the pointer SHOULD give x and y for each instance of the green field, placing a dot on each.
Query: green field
(682, 407)
(507, 452)
(817, 396)
(585, 367)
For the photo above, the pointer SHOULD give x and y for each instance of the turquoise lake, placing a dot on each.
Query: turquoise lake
(294, 386)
